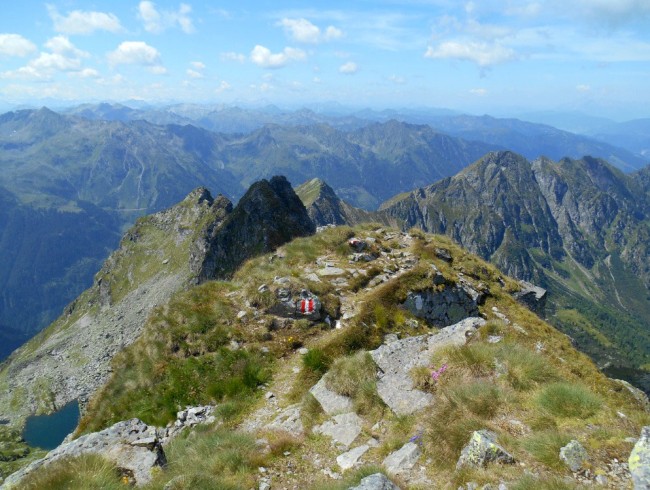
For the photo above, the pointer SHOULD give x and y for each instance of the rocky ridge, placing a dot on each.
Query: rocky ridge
(491, 371)
(161, 255)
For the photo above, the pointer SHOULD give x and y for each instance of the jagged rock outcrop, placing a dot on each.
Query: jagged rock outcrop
(446, 307)
(267, 216)
(534, 297)
(198, 239)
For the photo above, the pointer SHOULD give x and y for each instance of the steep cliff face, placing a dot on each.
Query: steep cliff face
(268, 215)
(578, 227)
(493, 208)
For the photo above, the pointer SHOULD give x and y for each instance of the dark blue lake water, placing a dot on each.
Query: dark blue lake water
(48, 431)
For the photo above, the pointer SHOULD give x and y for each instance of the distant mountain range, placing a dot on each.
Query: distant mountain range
(622, 144)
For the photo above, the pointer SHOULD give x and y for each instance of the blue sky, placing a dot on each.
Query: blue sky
(476, 56)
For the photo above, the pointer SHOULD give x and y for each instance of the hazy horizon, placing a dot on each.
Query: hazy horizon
(495, 57)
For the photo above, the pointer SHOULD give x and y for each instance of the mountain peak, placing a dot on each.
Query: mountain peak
(314, 189)
(267, 216)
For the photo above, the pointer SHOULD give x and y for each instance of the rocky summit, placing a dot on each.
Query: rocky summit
(357, 357)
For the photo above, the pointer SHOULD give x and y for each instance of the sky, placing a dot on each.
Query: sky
(480, 56)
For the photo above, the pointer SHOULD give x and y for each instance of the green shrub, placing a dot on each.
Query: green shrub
(568, 400)
(209, 458)
(482, 398)
(347, 374)
(525, 368)
(545, 447)
(529, 482)
(367, 401)
(311, 411)
(478, 358)
(88, 471)
(316, 361)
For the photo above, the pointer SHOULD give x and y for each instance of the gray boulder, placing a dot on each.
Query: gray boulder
(534, 297)
(375, 482)
(332, 402)
(131, 445)
(446, 307)
(300, 305)
(396, 359)
(574, 455)
(403, 459)
(483, 449)
(343, 428)
(351, 458)
(639, 461)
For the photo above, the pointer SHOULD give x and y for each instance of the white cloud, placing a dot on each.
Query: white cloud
(478, 91)
(482, 53)
(44, 67)
(156, 21)
(223, 86)
(62, 45)
(158, 70)
(316, 80)
(15, 45)
(84, 22)
(262, 56)
(397, 80)
(232, 56)
(64, 57)
(134, 53)
(583, 88)
(86, 73)
(198, 65)
(194, 74)
(332, 33)
(303, 31)
(349, 68)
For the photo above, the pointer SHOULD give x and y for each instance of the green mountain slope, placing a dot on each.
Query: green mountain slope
(230, 344)
(578, 227)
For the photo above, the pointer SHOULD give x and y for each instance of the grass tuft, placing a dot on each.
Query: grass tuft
(545, 447)
(348, 374)
(568, 400)
(87, 471)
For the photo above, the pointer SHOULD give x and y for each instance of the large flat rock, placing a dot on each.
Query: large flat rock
(332, 402)
(396, 359)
